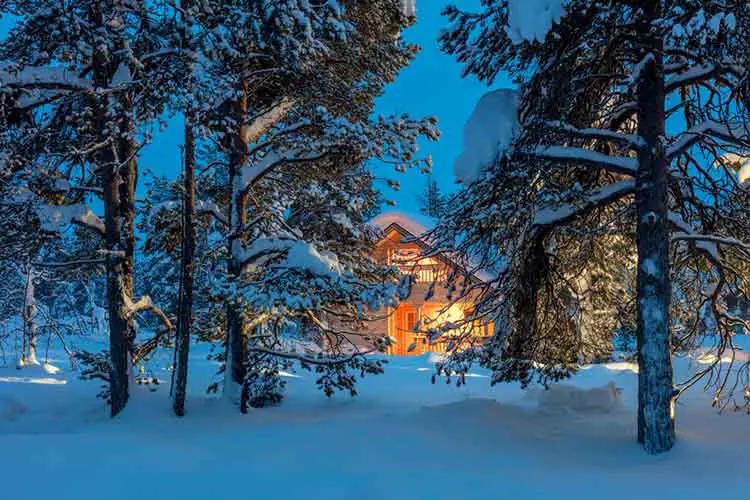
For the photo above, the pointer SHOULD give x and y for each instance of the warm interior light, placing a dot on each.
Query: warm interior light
(434, 318)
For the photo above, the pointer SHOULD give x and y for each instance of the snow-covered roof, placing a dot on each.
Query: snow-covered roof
(416, 225)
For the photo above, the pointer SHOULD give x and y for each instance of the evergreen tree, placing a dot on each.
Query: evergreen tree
(269, 137)
(432, 202)
(305, 95)
(599, 82)
(92, 75)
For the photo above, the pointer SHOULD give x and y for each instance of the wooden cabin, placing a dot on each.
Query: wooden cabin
(403, 246)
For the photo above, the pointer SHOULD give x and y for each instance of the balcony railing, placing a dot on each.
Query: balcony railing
(424, 274)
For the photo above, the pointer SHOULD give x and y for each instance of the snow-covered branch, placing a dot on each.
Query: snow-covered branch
(212, 209)
(699, 73)
(201, 207)
(263, 122)
(708, 247)
(720, 240)
(53, 217)
(713, 129)
(254, 171)
(559, 214)
(631, 141)
(617, 164)
(146, 304)
(296, 254)
(52, 78)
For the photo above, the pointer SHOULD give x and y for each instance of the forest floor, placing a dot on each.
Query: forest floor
(401, 438)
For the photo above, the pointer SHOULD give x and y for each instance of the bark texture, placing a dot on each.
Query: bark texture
(234, 376)
(522, 344)
(185, 298)
(656, 429)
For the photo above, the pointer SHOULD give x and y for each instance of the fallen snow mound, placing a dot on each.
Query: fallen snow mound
(565, 398)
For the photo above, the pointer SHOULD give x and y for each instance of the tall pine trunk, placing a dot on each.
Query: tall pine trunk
(187, 257)
(110, 172)
(116, 167)
(234, 374)
(119, 328)
(119, 220)
(129, 178)
(185, 298)
(655, 384)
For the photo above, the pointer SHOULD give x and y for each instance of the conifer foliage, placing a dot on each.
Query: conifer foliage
(632, 125)
(432, 200)
(278, 101)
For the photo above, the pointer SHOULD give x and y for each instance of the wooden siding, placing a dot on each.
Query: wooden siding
(416, 310)
(401, 322)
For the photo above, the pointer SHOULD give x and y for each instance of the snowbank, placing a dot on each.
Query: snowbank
(402, 438)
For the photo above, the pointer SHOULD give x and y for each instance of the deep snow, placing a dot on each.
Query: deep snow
(402, 438)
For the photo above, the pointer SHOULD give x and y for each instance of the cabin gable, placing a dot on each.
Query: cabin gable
(401, 248)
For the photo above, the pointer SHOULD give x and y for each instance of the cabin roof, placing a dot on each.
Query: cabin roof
(417, 231)
(416, 228)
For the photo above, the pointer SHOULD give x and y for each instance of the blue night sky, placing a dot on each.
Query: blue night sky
(432, 85)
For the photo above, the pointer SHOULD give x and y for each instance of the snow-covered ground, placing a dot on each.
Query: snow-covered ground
(401, 438)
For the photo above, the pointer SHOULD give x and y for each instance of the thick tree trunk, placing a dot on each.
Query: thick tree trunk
(524, 339)
(185, 298)
(119, 219)
(110, 172)
(116, 167)
(116, 306)
(655, 385)
(129, 177)
(234, 374)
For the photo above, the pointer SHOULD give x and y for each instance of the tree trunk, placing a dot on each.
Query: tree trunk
(524, 339)
(234, 372)
(187, 257)
(185, 298)
(115, 263)
(110, 172)
(29, 325)
(129, 177)
(119, 220)
(655, 385)
(116, 166)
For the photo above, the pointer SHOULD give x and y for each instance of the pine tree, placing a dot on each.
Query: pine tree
(432, 202)
(187, 254)
(305, 95)
(78, 77)
(598, 88)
